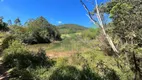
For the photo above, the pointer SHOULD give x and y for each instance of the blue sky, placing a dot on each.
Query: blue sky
(55, 11)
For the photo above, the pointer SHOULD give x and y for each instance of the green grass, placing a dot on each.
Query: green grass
(85, 54)
(70, 42)
(35, 47)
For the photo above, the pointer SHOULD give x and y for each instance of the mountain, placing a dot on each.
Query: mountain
(70, 28)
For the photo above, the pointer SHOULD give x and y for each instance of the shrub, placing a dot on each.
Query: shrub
(65, 73)
(23, 74)
(23, 34)
(18, 56)
(71, 73)
(88, 74)
(6, 41)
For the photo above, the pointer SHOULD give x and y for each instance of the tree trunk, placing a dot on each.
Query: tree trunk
(100, 25)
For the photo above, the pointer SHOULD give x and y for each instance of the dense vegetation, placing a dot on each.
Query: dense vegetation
(35, 31)
(126, 32)
(81, 54)
(70, 28)
(3, 25)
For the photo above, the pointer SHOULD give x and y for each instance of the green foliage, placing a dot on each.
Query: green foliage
(90, 33)
(71, 73)
(22, 63)
(70, 28)
(43, 29)
(3, 26)
(18, 56)
(126, 33)
(121, 8)
(13, 56)
(17, 22)
(65, 73)
(88, 65)
(72, 43)
(23, 74)
(37, 31)
(7, 41)
(100, 64)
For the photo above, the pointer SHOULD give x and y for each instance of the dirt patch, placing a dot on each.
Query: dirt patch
(54, 54)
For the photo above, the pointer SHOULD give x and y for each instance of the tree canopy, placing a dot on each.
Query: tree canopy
(36, 31)
(126, 30)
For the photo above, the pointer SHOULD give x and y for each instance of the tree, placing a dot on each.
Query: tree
(9, 22)
(126, 20)
(36, 31)
(1, 19)
(100, 24)
(3, 25)
(43, 31)
(17, 22)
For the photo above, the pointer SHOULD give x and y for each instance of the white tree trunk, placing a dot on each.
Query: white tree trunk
(100, 24)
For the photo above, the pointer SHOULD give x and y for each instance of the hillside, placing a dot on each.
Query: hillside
(70, 28)
(39, 49)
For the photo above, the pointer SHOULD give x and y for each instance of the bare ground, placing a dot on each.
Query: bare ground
(53, 54)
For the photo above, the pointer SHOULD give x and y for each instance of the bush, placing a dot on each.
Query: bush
(65, 73)
(23, 74)
(21, 62)
(71, 73)
(23, 34)
(6, 41)
(18, 56)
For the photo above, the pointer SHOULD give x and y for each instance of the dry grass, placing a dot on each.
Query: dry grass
(54, 54)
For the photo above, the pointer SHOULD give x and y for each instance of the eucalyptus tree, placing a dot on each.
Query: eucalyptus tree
(126, 18)
(17, 21)
(99, 23)
(9, 22)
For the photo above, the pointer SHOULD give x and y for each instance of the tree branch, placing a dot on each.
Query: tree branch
(100, 24)
(89, 14)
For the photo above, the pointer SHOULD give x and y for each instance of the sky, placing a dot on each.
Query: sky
(55, 11)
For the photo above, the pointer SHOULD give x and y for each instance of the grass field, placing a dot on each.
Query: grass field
(68, 46)
(76, 52)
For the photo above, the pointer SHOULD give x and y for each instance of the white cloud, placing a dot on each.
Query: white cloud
(59, 22)
(1, 0)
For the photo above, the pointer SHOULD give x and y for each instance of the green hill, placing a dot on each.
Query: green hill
(70, 28)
